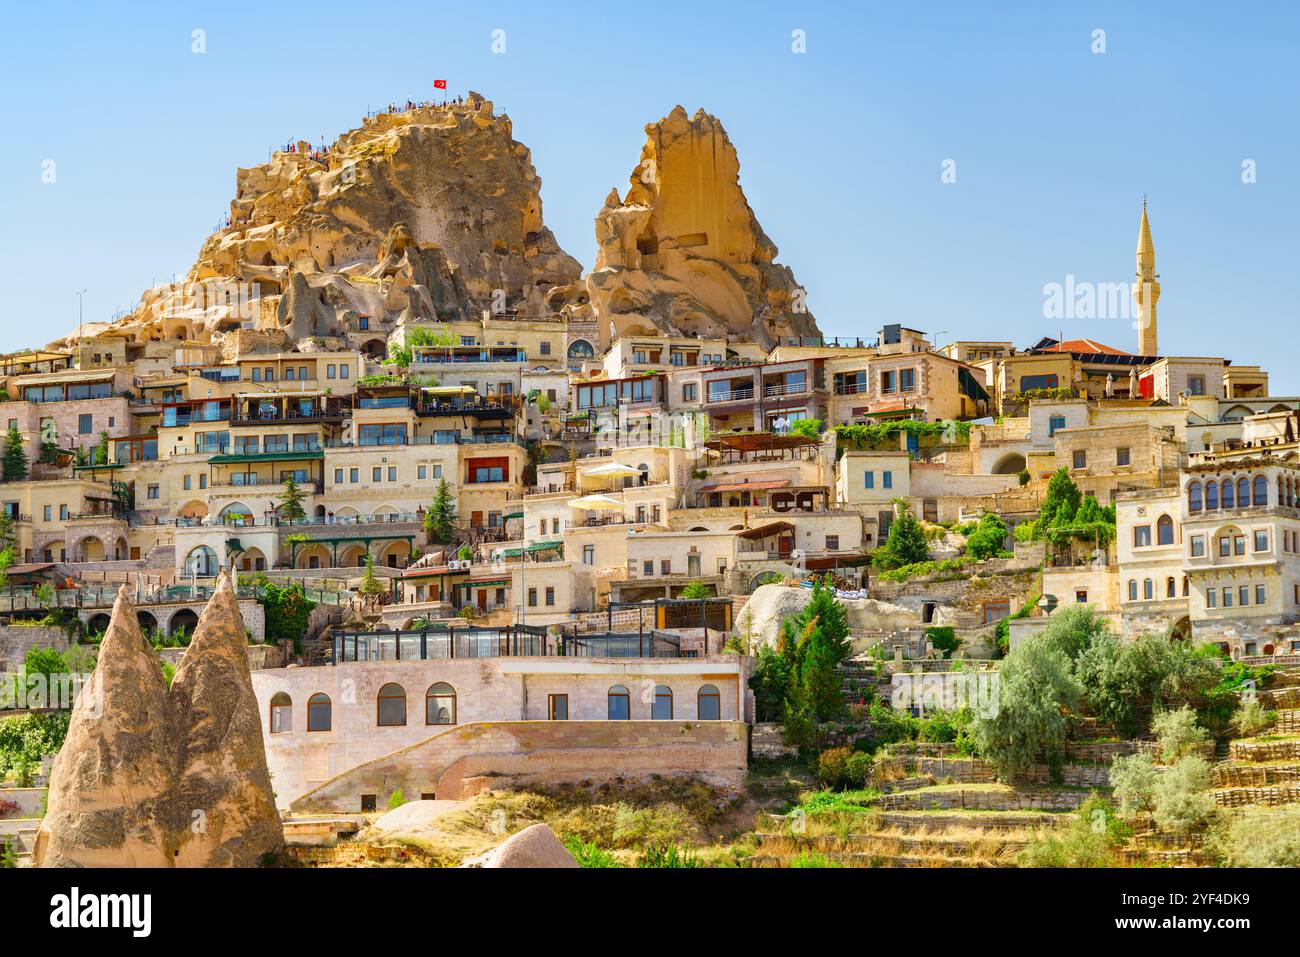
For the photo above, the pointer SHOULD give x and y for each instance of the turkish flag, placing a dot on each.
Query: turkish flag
(440, 84)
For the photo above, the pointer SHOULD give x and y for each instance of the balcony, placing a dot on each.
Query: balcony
(468, 354)
(732, 395)
(779, 389)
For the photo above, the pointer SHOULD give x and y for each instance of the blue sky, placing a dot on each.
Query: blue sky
(840, 147)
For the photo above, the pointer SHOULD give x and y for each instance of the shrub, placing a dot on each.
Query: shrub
(987, 538)
(587, 854)
(1260, 837)
(1089, 840)
(1183, 801)
(1251, 719)
(1134, 781)
(857, 769)
(396, 799)
(813, 859)
(668, 855)
(1179, 734)
(831, 766)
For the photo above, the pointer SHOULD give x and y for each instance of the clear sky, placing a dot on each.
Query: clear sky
(841, 147)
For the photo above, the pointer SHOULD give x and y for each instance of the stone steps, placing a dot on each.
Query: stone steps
(963, 798)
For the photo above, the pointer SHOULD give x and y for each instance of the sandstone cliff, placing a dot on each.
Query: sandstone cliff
(428, 213)
(152, 777)
(682, 251)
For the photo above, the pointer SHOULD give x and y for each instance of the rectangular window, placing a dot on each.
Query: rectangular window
(545, 348)
(329, 371)
(343, 371)
(1054, 424)
(532, 598)
(648, 568)
(869, 480)
(49, 513)
(906, 380)
(550, 595)
(665, 566)
(1227, 598)
(203, 481)
(85, 424)
(1239, 544)
(1261, 540)
(153, 491)
(1198, 546)
(588, 554)
(887, 382)
(437, 471)
(185, 482)
(1141, 536)
(338, 476)
(392, 473)
(1261, 595)
(557, 707)
(63, 513)
(689, 392)
(887, 479)
(1243, 595)
(1079, 459)
(1122, 456)
(354, 475)
(832, 543)
(1196, 385)
(422, 472)
(1211, 598)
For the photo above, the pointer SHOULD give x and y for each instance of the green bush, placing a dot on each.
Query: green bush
(831, 765)
(396, 799)
(668, 855)
(1260, 837)
(587, 854)
(1090, 839)
(1179, 734)
(1182, 797)
(1133, 779)
(857, 769)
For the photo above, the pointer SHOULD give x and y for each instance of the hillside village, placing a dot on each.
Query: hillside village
(513, 545)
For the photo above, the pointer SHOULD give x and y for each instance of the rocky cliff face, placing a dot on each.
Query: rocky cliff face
(682, 251)
(152, 777)
(436, 213)
(429, 213)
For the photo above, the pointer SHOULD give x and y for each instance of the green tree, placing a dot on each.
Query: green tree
(807, 428)
(1134, 781)
(370, 583)
(697, 589)
(1037, 690)
(906, 544)
(1179, 734)
(287, 612)
(6, 530)
(987, 538)
(13, 468)
(440, 519)
(821, 642)
(1182, 796)
(291, 500)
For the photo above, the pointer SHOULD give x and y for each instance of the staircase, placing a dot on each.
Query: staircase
(317, 644)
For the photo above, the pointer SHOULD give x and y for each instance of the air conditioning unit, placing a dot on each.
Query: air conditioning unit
(458, 565)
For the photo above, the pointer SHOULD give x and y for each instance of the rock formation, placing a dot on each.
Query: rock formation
(770, 605)
(534, 846)
(151, 777)
(683, 253)
(424, 213)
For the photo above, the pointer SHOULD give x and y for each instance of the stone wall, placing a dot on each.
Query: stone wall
(465, 760)
(16, 640)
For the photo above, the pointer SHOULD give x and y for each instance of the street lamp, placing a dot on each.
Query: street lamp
(80, 294)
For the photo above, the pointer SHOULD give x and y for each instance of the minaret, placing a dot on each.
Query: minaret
(1146, 291)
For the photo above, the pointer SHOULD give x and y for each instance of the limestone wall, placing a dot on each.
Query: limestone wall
(463, 760)
(16, 640)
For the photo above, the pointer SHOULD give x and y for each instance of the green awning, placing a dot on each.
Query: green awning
(507, 517)
(233, 545)
(255, 457)
(534, 547)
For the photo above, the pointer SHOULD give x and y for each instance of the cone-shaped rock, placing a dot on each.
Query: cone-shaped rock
(223, 796)
(111, 780)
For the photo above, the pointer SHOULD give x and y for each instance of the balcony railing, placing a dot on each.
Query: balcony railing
(793, 388)
(735, 395)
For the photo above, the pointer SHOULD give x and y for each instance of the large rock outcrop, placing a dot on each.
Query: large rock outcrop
(682, 251)
(424, 213)
(770, 605)
(152, 777)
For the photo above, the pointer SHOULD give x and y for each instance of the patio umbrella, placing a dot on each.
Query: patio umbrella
(596, 502)
(611, 470)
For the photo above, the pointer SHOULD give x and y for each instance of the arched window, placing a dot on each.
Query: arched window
(1171, 588)
(710, 704)
(1243, 492)
(662, 709)
(620, 705)
(1211, 495)
(320, 712)
(1164, 530)
(281, 713)
(1194, 497)
(391, 705)
(1132, 589)
(1148, 589)
(1227, 493)
(581, 349)
(1261, 490)
(1186, 592)
(440, 704)
(201, 562)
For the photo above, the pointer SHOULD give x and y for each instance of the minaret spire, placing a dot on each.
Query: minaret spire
(1146, 291)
